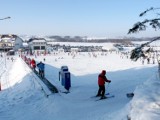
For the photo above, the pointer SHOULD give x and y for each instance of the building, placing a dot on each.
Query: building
(10, 42)
(37, 44)
(18, 44)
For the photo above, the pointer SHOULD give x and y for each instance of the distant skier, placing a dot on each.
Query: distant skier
(148, 60)
(41, 67)
(101, 82)
(143, 61)
(12, 59)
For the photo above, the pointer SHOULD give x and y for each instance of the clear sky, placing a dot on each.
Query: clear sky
(92, 18)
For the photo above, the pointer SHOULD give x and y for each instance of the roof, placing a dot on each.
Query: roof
(8, 36)
(37, 40)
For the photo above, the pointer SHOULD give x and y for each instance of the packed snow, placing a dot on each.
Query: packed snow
(25, 97)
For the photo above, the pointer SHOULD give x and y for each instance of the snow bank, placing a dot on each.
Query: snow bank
(146, 102)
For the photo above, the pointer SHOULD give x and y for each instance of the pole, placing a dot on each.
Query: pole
(0, 85)
(5, 60)
(107, 87)
(4, 50)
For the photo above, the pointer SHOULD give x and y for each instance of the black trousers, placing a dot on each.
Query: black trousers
(41, 73)
(101, 90)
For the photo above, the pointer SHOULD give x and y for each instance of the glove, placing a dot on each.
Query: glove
(109, 81)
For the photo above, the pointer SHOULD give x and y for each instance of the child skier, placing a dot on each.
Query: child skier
(101, 83)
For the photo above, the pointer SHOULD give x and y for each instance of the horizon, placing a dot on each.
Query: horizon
(109, 19)
(83, 37)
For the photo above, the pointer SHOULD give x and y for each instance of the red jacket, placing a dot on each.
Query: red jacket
(102, 78)
(33, 63)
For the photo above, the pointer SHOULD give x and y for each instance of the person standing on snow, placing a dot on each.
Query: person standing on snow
(101, 83)
(41, 67)
(33, 64)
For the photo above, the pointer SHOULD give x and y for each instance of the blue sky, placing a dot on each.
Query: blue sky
(92, 18)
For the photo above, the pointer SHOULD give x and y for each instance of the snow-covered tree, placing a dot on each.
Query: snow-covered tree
(141, 26)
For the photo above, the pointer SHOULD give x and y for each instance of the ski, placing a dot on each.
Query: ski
(130, 95)
(66, 92)
(98, 96)
(112, 96)
(107, 94)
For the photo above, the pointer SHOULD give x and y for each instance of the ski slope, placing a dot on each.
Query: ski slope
(24, 96)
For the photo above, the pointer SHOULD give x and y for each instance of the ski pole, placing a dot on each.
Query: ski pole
(107, 88)
(108, 85)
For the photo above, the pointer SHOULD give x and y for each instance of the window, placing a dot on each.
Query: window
(36, 47)
(42, 47)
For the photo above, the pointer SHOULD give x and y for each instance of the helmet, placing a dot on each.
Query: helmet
(103, 72)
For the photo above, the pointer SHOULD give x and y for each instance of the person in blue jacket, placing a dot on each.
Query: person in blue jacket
(41, 67)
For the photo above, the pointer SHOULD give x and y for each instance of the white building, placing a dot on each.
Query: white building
(37, 44)
(11, 42)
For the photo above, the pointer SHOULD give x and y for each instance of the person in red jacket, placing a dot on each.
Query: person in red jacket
(33, 64)
(101, 82)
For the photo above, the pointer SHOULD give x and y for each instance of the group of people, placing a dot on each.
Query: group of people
(101, 77)
(40, 65)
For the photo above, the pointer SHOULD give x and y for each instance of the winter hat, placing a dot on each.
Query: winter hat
(103, 72)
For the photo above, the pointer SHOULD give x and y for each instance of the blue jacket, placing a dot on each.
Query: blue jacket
(41, 66)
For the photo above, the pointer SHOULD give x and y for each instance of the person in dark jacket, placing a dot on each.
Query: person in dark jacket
(101, 83)
(41, 67)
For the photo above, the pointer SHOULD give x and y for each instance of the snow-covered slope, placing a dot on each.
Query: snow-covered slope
(22, 96)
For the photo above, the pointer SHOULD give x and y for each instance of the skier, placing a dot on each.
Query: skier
(33, 64)
(148, 60)
(12, 59)
(143, 61)
(41, 67)
(101, 82)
